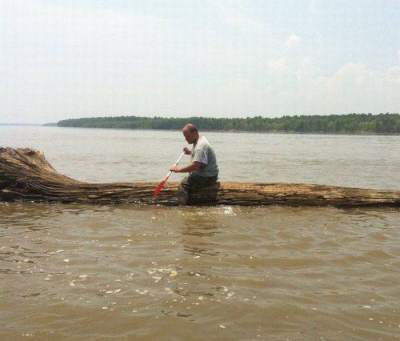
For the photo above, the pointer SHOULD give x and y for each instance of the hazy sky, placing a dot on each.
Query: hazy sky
(76, 58)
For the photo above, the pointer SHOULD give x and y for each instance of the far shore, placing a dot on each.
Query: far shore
(230, 131)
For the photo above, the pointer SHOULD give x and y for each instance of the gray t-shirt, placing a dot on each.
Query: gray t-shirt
(204, 153)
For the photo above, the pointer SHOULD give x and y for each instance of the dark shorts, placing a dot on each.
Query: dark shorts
(192, 183)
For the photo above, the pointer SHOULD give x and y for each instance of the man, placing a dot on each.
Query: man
(203, 169)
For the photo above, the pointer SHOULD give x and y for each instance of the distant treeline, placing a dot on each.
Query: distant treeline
(337, 124)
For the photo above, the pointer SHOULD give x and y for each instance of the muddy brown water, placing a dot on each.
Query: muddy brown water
(81, 272)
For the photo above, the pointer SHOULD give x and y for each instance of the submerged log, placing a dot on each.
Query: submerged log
(26, 175)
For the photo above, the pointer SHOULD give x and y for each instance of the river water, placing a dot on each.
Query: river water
(81, 272)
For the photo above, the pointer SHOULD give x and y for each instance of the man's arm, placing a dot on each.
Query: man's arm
(194, 166)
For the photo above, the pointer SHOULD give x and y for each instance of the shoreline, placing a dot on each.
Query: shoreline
(236, 131)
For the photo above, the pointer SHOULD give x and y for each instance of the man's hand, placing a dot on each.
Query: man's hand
(174, 168)
(187, 151)
(194, 166)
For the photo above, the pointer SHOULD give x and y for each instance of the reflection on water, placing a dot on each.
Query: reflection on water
(73, 271)
(198, 229)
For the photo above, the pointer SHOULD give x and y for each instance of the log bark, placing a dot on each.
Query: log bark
(26, 175)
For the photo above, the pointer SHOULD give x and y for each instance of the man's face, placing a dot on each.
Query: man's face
(190, 136)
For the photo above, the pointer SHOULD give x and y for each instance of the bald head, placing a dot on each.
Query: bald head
(191, 128)
(191, 133)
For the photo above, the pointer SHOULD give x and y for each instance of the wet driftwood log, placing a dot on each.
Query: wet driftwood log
(26, 175)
